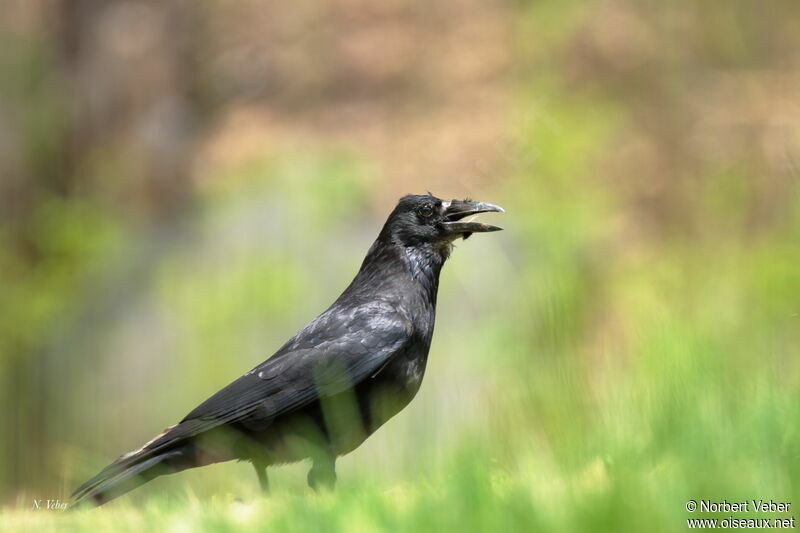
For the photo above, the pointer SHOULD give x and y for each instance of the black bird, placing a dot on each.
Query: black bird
(334, 383)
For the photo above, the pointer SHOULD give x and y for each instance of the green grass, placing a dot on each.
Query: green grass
(622, 493)
(479, 499)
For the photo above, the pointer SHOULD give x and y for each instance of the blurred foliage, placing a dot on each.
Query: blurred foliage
(184, 185)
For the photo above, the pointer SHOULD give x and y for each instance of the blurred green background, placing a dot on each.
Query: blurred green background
(185, 184)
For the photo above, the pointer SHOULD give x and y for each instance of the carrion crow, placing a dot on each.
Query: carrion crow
(336, 381)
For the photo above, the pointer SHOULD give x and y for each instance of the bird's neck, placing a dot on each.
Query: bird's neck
(424, 263)
(389, 265)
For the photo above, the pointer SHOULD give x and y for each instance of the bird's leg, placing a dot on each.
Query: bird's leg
(323, 472)
(261, 472)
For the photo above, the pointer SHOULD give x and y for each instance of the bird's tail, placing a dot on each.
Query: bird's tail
(162, 455)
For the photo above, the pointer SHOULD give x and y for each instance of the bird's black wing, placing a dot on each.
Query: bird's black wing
(339, 349)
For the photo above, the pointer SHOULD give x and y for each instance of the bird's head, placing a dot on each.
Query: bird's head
(420, 220)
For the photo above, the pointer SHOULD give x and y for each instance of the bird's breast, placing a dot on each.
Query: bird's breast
(401, 378)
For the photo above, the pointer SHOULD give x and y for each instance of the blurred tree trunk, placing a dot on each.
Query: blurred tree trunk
(105, 100)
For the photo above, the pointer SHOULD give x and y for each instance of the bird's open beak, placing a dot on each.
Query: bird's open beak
(460, 209)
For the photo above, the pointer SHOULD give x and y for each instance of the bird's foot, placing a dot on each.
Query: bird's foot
(322, 476)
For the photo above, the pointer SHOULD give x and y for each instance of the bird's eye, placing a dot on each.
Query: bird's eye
(425, 211)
